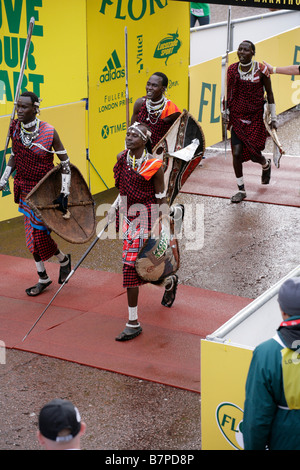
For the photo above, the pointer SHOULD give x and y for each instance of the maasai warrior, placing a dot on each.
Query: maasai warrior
(140, 180)
(247, 81)
(155, 109)
(32, 158)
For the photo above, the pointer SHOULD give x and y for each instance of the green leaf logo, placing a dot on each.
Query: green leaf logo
(167, 47)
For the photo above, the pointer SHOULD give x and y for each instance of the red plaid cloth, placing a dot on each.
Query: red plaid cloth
(134, 238)
(130, 277)
(246, 106)
(32, 164)
(159, 129)
(138, 194)
(38, 239)
(140, 210)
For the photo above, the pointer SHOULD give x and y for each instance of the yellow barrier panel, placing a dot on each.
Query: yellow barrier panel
(224, 370)
(283, 50)
(204, 98)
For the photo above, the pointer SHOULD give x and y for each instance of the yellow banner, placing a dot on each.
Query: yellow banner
(224, 371)
(69, 35)
(204, 98)
(158, 40)
(56, 68)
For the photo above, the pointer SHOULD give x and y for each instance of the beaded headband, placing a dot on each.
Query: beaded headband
(135, 126)
(37, 103)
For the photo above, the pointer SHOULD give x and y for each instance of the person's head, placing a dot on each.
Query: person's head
(289, 297)
(156, 86)
(60, 425)
(246, 51)
(27, 106)
(137, 137)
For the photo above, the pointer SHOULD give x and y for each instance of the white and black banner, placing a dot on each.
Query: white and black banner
(274, 4)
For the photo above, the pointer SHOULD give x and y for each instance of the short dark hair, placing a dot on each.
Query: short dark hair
(34, 98)
(251, 44)
(164, 78)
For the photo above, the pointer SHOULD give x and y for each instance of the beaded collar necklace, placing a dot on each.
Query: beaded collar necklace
(29, 124)
(26, 136)
(136, 163)
(155, 109)
(242, 72)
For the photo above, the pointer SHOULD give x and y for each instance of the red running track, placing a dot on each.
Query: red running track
(216, 178)
(82, 322)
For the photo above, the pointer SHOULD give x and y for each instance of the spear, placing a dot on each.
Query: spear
(73, 271)
(226, 68)
(126, 78)
(18, 87)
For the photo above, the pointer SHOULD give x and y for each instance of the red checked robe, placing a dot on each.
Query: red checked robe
(245, 99)
(32, 164)
(138, 204)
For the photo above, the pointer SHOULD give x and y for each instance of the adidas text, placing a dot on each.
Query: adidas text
(112, 75)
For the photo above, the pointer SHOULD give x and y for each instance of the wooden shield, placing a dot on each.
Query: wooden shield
(159, 256)
(80, 224)
(181, 150)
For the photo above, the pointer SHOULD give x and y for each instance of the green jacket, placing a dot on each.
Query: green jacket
(268, 421)
(200, 9)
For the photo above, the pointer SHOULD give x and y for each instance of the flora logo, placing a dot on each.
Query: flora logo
(113, 69)
(230, 422)
(167, 47)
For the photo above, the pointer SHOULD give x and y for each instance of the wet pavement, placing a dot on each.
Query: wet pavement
(243, 250)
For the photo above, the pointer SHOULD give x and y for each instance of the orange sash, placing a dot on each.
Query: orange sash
(170, 108)
(150, 167)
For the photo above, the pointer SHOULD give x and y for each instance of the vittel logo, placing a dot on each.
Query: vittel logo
(113, 69)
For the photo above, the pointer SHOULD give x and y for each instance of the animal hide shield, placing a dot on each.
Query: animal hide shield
(159, 257)
(79, 226)
(181, 150)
